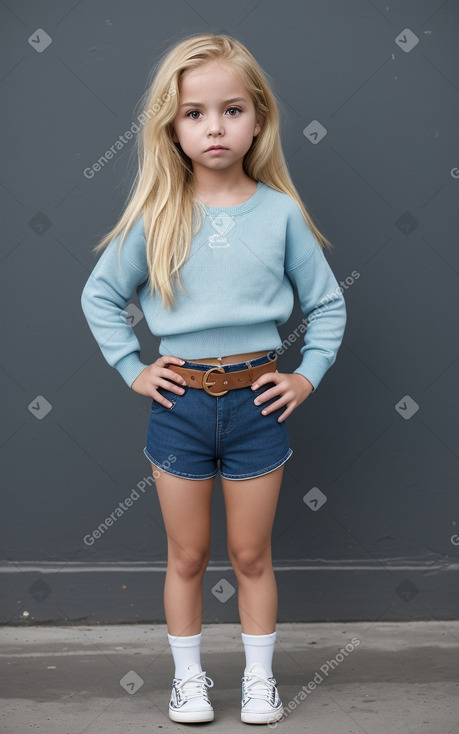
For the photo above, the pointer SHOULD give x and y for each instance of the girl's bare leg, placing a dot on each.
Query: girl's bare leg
(250, 511)
(186, 509)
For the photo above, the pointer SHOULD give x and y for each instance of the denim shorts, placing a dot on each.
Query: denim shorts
(189, 438)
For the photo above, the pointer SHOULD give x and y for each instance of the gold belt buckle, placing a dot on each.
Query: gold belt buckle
(206, 386)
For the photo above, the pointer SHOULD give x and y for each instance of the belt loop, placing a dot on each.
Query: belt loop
(251, 378)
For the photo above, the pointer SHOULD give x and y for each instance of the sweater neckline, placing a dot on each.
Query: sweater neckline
(246, 205)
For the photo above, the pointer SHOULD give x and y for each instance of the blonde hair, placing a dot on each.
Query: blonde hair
(163, 186)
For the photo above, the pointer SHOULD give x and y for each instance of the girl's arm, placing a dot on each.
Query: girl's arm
(104, 300)
(320, 297)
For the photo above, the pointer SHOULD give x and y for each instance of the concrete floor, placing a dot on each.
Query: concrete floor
(389, 678)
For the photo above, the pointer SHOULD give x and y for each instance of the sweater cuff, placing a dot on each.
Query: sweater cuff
(130, 367)
(313, 367)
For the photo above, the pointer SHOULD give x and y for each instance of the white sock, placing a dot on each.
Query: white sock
(259, 649)
(185, 651)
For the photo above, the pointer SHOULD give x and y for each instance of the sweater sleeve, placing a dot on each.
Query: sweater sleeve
(320, 297)
(104, 299)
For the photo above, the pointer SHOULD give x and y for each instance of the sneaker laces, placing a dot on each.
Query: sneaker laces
(195, 685)
(257, 686)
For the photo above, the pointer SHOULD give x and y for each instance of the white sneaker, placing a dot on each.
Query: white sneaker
(189, 701)
(260, 701)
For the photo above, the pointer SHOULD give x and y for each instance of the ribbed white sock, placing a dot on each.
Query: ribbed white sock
(185, 651)
(259, 649)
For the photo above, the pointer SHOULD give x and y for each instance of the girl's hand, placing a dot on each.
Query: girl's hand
(292, 389)
(155, 375)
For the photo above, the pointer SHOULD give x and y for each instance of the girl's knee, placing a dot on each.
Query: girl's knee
(251, 562)
(188, 564)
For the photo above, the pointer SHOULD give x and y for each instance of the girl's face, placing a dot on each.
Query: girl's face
(214, 109)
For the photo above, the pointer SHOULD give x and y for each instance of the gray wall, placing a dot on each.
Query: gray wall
(379, 438)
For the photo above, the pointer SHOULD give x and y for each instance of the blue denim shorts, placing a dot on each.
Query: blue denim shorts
(189, 438)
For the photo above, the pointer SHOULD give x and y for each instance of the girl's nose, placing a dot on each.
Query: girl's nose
(215, 126)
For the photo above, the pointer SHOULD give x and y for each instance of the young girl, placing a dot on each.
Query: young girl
(215, 211)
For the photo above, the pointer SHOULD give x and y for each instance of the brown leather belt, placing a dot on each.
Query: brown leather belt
(220, 380)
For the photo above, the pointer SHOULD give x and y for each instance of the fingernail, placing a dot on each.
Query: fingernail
(182, 361)
(254, 386)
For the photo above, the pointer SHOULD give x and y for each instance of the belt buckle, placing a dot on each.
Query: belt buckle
(204, 381)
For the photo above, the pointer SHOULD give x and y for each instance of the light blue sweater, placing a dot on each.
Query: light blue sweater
(239, 277)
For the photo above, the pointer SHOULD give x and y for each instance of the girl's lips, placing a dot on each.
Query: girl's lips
(216, 150)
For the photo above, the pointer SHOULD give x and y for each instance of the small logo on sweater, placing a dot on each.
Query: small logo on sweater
(223, 224)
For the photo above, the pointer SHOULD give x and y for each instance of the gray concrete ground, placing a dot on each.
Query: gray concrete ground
(348, 678)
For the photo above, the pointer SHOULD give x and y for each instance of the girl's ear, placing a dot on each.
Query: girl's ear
(257, 127)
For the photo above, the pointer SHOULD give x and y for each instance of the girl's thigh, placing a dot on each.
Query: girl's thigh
(250, 511)
(186, 509)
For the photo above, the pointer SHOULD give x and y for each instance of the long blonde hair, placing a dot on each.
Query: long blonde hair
(163, 186)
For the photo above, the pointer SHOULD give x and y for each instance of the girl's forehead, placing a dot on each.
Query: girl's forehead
(214, 71)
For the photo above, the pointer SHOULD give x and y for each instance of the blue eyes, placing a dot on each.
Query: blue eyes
(195, 118)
